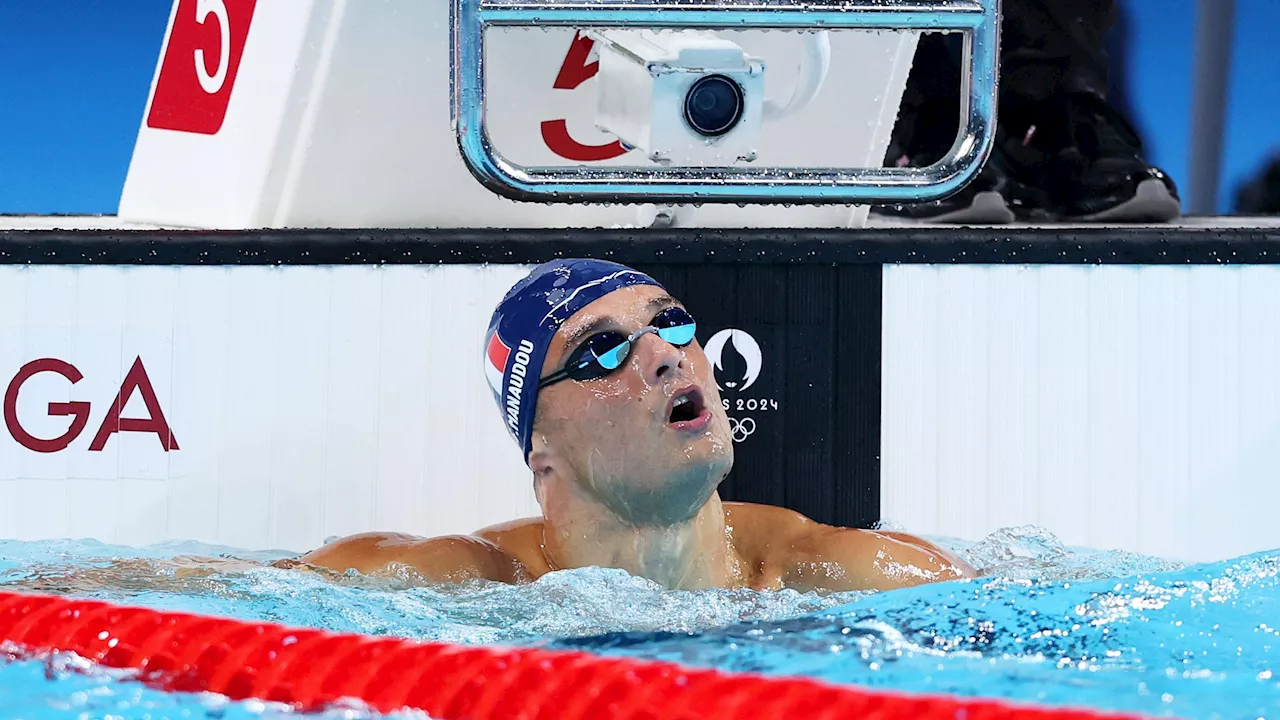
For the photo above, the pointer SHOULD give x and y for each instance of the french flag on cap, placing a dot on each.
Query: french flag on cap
(495, 365)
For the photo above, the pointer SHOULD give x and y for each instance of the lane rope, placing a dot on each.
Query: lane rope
(311, 669)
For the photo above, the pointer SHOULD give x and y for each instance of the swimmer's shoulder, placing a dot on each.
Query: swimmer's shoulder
(758, 531)
(779, 540)
(770, 526)
(522, 540)
(448, 558)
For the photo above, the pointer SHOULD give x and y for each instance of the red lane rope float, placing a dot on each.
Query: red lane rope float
(312, 668)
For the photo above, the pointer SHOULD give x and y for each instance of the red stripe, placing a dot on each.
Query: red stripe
(310, 668)
(498, 353)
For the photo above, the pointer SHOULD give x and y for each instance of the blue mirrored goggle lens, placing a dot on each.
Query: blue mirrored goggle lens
(613, 358)
(671, 317)
(599, 355)
(605, 352)
(676, 326)
(680, 335)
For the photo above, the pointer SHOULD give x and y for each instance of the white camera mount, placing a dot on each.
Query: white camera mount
(977, 20)
(683, 97)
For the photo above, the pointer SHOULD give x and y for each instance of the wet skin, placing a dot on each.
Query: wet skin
(626, 481)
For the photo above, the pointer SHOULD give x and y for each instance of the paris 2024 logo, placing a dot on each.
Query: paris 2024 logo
(737, 362)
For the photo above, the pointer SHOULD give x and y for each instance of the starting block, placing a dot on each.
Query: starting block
(336, 113)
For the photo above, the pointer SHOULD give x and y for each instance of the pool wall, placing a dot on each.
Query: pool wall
(279, 388)
(1120, 406)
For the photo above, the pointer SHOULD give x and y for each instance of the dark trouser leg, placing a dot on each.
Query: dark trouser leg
(930, 114)
(928, 121)
(1059, 131)
(1062, 149)
(1055, 46)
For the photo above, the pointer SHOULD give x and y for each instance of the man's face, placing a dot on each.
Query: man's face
(627, 437)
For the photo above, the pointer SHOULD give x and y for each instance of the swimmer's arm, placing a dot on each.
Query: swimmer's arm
(453, 558)
(832, 558)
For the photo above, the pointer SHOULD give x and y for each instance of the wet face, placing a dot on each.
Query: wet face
(649, 440)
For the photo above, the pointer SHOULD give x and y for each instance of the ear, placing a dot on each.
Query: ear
(540, 461)
(542, 466)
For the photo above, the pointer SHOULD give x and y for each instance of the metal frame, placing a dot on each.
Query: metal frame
(1215, 22)
(978, 20)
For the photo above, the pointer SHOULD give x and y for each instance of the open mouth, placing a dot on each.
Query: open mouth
(687, 407)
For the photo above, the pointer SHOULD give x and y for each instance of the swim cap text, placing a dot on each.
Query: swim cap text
(516, 384)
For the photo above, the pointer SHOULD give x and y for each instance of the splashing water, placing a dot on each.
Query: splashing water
(1045, 623)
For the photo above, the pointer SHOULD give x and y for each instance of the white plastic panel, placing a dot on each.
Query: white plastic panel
(305, 402)
(1130, 407)
(1127, 407)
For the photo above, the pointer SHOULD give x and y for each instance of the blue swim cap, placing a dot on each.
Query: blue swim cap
(524, 322)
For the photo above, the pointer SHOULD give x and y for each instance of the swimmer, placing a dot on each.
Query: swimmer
(600, 382)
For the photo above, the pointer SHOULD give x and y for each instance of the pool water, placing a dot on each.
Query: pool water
(1045, 624)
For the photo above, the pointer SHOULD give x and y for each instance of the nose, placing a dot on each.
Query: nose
(658, 358)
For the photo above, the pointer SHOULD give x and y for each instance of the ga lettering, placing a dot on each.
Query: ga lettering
(135, 381)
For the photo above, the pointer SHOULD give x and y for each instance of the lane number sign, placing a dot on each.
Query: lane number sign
(200, 64)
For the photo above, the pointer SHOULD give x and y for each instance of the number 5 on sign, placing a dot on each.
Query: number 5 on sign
(574, 71)
(218, 9)
(199, 67)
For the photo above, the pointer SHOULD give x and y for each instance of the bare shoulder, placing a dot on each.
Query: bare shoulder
(756, 511)
(773, 527)
(522, 540)
(770, 523)
(751, 521)
(446, 558)
(764, 534)
(520, 526)
(808, 553)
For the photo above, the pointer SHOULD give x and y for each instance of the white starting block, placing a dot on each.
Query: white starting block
(336, 113)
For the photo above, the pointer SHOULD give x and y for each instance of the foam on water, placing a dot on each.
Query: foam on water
(1045, 623)
(568, 603)
(1198, 644)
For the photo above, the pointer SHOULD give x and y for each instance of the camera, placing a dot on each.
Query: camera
(682, 97)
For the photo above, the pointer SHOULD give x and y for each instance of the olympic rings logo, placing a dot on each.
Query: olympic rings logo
(741, 429)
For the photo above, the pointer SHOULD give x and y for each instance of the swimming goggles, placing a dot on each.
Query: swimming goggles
(605, 352)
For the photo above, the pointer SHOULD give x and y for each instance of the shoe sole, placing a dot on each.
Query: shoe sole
(1151, 203)
(987, 208)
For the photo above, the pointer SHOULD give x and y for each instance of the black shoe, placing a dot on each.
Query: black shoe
(923, 134)
(992, 198)
(1086, 158)
(981, 202)
(928, 121)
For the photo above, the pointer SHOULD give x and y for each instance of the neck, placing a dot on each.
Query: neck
(580, 532)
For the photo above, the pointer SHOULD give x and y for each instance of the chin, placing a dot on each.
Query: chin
(719, 457)
(677, 494)
(707, 461)
(716, 446)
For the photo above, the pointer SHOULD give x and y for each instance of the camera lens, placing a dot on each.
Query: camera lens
(713, 105)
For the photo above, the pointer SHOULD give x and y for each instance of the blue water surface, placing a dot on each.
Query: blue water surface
(1045, 624)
